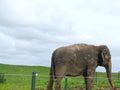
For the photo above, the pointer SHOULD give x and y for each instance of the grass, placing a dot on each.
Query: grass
(19, 78)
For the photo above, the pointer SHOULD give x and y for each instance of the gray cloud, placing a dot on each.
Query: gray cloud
(31, 30)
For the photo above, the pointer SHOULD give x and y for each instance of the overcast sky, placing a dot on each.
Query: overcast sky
(30, 30)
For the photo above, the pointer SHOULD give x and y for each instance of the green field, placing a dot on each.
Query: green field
(19, 78)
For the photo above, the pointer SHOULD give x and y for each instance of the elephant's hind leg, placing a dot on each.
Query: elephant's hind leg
(50, 84)
(59, 76)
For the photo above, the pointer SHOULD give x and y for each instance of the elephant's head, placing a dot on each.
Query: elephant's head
(105, 61)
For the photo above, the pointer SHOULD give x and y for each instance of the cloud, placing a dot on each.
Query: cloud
(31, 30)
(6, 42)
(17, 13)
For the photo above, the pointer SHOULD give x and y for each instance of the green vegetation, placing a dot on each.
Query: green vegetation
(19, 78)
(2, 79)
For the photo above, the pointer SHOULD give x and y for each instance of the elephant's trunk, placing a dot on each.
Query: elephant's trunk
(108, 71)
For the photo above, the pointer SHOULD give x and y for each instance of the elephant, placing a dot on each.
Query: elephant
(79, 59)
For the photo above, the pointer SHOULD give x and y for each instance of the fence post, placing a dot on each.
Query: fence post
(66, 82)
(34, 74)
(119, 75)
(96, 77)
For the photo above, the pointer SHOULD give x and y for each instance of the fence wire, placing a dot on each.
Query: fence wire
(23, 82)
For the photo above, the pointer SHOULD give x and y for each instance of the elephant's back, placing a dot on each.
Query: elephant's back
(82, 46)
(72, 50)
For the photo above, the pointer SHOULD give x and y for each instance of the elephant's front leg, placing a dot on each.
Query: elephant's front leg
(89, 83)
(89, 78)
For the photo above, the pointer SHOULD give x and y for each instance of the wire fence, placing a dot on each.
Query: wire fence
(16, 82)
(39, 82)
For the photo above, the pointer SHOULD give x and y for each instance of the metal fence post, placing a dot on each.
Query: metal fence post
(66, 82)
(34, 74)
(119, 75)
(96, 77)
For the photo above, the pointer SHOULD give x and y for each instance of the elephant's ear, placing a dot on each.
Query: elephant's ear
(103, 53)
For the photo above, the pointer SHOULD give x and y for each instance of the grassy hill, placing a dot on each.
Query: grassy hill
(19, 78)
(17, 69)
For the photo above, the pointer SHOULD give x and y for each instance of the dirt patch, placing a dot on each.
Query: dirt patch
(96, 88)
(40, 89)
(83, 88)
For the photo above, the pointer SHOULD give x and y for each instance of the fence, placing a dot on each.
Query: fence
(38, 82)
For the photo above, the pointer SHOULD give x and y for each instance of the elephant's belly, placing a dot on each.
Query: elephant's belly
(75, 72)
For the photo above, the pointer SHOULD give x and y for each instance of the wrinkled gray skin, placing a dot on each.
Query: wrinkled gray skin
(79, 59)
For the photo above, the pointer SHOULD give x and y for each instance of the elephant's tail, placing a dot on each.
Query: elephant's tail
(52, 75)
(52, 69)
